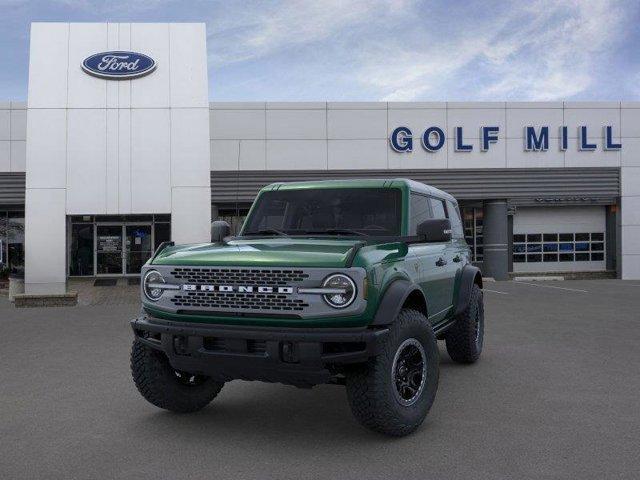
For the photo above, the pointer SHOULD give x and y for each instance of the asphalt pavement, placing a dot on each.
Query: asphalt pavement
(555, 395)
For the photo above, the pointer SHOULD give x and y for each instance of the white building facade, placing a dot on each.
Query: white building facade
(95, 172)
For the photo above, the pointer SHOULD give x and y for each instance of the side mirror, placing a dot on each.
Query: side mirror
(435, 230)
(219, 230)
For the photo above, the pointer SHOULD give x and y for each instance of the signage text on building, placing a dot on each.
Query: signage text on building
(535, 139)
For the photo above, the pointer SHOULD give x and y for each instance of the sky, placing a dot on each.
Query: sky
(377, 50)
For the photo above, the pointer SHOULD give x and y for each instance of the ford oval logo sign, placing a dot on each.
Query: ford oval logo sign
(118, 65)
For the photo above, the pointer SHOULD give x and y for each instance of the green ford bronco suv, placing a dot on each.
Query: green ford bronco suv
(344, 282)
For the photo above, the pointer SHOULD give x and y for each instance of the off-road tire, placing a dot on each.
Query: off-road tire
(370, 386)
(160, 385)
(464, 342)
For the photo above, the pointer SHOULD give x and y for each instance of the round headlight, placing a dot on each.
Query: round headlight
(344, 290)
(150, 285)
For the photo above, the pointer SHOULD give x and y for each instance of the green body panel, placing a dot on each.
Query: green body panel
(384, 263)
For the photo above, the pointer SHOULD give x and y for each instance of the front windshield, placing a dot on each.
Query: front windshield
(328, 211)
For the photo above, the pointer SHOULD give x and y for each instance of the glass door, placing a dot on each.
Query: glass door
(109, 257)
(138, 247)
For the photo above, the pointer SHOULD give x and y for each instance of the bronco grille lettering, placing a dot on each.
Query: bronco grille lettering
(237, 288)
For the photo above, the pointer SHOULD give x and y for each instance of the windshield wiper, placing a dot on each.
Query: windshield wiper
(337, 231)
(267, 231)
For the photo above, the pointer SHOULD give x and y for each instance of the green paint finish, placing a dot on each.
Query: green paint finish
(384, 263)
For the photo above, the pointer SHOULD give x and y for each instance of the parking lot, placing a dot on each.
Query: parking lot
(556, 394)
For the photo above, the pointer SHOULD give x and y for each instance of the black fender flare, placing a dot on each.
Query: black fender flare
(468, 277)
(393, 299)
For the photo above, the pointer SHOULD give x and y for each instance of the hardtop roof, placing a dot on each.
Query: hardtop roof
(363, 183)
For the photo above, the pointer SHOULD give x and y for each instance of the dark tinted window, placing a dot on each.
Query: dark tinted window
(437, 206)
(456, 222)
(418, 212)
(373, 211)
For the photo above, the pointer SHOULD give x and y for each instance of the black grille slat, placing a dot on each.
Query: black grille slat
(218, 300)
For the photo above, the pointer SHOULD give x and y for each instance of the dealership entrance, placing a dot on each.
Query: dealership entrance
(108, 246)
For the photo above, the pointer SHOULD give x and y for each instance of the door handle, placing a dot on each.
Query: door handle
(441, 262)
(457, 258)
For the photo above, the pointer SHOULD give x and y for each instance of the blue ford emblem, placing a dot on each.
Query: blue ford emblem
(118, 65)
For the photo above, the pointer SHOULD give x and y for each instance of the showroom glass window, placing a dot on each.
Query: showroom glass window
(12, 239)
(558, 247)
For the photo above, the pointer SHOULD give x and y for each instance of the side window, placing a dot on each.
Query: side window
(456, 221)
(437, 206)
(418, 211)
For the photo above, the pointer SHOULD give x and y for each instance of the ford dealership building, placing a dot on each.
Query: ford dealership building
(118, 148)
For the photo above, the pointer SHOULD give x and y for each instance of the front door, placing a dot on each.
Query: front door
(138, 247)
(122, 249)
(109, 250)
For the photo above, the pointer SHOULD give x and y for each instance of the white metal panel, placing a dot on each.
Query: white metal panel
(630, 154)
(150, 161)
(188, 53)
(190, 165)
(47, 148)
(471, 119)
(48, 62)
(124, 161)
(86, 161)
(191, 215)
(113, 43)
(592, 118)
(574, 157)
(18, 156)
(152, 90)
(630, 120)
(45, 241)
(296, 124)
(631, 239)
(224, 154)
(356, 124)
(5, 156)
(418, 120)
(495, 157)
(86, 91)
(630, 182)
(18, 124)
(253, 155)
(357, 154)
(237, 124)
(518, 118)
(5, 124)
(630, 211)
(517, 157)
(124, 86)
(418, 158)
(297, 154)
(112, 162)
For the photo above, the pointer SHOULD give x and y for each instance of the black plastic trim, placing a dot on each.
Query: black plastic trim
(393, 300)
(467, 279)
(297, 356)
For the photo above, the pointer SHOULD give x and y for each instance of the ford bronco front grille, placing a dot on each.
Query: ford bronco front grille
(237, 301)
(236, 276)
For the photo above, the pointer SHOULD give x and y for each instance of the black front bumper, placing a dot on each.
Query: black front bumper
(296, 356)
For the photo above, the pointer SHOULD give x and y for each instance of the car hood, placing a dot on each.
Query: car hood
(285, 252)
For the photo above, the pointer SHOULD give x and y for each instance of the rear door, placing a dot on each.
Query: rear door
(449, 260)
(431, 274)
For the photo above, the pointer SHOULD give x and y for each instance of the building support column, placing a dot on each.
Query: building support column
(496, 240)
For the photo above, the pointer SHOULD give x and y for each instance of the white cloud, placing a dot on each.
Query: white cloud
(546, 51)
(243, 34)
